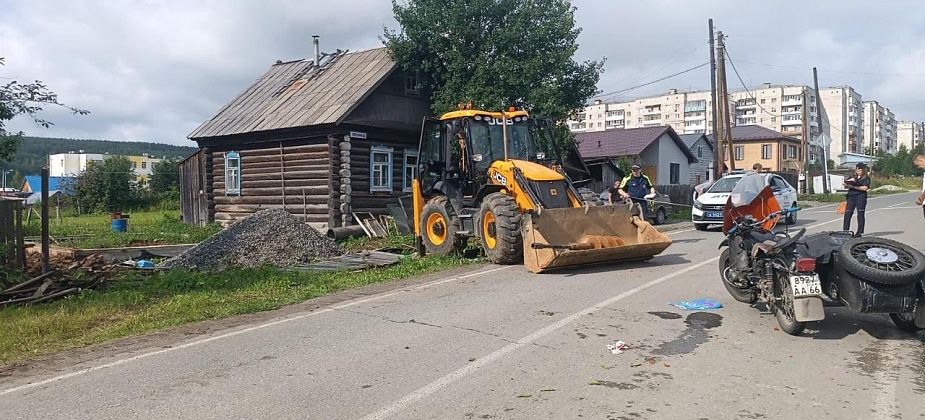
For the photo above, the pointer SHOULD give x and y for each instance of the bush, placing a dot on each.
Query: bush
(107, 187)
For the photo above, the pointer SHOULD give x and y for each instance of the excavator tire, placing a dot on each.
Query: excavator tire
(439, 227)
(499, 223)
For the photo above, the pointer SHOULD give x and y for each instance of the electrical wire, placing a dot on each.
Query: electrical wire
(652, 82)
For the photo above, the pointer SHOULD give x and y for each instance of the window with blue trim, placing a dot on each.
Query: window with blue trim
(409, 169)
(232, 173)
(380, 169)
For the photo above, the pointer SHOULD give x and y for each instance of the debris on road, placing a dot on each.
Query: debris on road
(269, 237)
(697, 304)
(617, 347)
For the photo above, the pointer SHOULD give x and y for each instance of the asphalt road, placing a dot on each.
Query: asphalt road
(502, 343)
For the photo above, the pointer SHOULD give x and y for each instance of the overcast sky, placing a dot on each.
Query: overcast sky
(154, 70)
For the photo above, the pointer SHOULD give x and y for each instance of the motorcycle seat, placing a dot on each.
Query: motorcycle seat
(759, 237)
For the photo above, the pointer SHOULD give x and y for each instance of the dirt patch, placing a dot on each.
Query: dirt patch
(693, 336)
(666, 315)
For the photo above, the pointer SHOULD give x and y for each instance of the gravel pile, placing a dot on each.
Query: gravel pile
(266, 238)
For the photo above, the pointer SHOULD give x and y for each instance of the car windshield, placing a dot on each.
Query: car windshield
(488, 141)
(724, 185)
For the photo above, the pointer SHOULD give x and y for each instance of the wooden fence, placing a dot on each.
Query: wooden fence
(12, 243)
(679, 193)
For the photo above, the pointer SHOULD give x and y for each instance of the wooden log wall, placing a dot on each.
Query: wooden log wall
(194, 206)
(294, 178)
(362, 199)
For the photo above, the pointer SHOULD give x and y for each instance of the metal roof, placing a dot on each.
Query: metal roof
(625, 142)
(301, 94)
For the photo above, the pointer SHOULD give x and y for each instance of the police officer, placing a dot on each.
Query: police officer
(857, 197)
(635, 186)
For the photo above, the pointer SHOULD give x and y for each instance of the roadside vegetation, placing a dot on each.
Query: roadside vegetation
(137, 303)
(144, 228)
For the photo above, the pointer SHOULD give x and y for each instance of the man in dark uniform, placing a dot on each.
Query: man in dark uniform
(635, 186)
(857, 197)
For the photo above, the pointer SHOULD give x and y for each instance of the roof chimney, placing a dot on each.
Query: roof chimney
(672, 91)
(767, 84)
(317, 50)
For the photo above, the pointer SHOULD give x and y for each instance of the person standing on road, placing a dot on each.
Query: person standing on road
(635, 186)
(857, 197)
(919, 161)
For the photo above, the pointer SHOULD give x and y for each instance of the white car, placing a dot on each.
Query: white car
(708, 207)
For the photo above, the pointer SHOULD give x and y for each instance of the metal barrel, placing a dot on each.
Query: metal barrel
(559, 238)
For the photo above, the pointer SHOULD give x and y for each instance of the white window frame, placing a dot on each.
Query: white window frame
(766, 148)
(232, 174)
(739, 152)
(373, 151)
(405, 182)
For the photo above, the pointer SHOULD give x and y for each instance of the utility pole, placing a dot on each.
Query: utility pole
(717, 151)
(723, 93)
(807, 134)
(825, 153)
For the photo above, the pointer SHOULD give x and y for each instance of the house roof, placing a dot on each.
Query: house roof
(55, 183)
(625, 142)
(690, 139)
(301, 94)
(755, 132)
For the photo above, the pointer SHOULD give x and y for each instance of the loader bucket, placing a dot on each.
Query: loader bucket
(557, 238)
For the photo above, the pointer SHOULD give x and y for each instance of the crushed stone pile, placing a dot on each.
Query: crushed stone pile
(266, 238)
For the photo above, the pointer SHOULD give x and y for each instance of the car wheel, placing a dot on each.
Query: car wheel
(883, 261)
(701, 226)
(660, 217)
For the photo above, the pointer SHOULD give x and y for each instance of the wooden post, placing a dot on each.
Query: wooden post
(20, 240)
(46, 266)
(717, 151)
(724, 99)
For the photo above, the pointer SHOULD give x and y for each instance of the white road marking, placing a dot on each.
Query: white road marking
(479, 363)
(242, 331)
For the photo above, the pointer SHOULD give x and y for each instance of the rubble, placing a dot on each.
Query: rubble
(266, 238)
(89, 273)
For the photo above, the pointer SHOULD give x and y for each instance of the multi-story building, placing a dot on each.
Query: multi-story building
(879, 128)
(72, 164)
(843, 120)
(686, 112)
(908, 134)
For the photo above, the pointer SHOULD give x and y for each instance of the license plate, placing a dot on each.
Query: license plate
(804, 285)
(714, 215)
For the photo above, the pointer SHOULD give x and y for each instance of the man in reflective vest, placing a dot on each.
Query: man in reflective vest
(635, 187)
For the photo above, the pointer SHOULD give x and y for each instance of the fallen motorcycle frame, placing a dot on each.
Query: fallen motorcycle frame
(558, 238)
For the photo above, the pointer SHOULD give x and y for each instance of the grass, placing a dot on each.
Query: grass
(135, 305)
(907, 183)
(144, 228)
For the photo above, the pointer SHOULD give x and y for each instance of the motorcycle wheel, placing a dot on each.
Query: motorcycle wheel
(740, 294)
(783, 309)
(904, 321)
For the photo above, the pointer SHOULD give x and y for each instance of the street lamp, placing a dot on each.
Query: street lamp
(6, 171)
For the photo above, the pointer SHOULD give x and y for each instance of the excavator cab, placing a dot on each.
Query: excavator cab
(486, 175)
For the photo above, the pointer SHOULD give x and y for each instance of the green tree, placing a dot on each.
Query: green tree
(24, 99)
(107, 187)
(495, 54)
(165, 176)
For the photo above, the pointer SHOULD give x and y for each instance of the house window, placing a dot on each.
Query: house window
(232, 173)
(412, 87)
(675, 173)
(765, 151)
(410, 170)
(380, 169)
(740, 153)
(134, 165)
(699, 151)
(792, 152)
(144, 165)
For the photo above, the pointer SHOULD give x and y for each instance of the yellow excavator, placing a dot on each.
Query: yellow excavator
(497, 176)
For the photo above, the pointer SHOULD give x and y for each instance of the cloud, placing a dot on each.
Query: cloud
(154, 70)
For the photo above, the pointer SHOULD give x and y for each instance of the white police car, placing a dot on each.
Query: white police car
(708, 207)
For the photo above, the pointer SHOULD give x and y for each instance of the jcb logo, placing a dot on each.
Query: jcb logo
(498, 121)
(500, 179)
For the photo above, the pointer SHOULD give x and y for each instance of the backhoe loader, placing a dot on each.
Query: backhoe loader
(494, 176)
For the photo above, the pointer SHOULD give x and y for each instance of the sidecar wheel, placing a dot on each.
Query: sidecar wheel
(905, 321)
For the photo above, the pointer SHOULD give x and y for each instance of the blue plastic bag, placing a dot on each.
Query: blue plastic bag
(144, 264)
(697, 304)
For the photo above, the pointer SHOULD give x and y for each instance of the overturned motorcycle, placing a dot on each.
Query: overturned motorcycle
(792, 273)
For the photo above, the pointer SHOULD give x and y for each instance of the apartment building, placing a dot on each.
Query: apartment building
(686, 112)
(72, 164)
(908, 134)
(879, 128)
(843, 120)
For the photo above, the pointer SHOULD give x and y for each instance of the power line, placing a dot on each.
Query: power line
(652, 82)
(746, 87)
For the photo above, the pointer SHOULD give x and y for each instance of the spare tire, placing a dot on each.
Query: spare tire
(883, 261)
